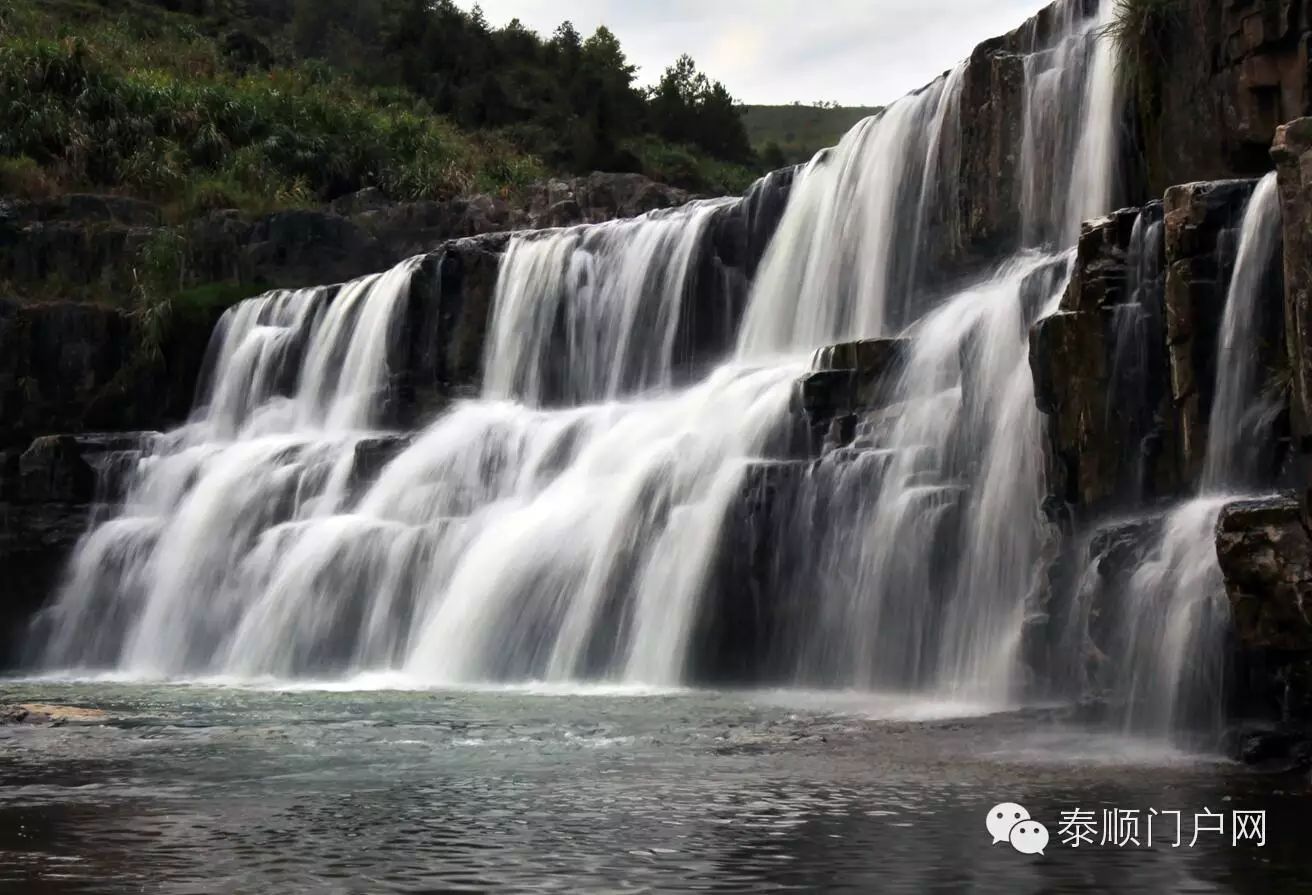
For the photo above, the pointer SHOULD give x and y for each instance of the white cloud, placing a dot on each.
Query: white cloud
(856, 52)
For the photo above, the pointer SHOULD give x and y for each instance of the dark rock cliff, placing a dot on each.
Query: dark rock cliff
(1223, 76)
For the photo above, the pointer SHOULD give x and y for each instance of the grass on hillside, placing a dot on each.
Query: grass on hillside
(131, 98)
(800, 131)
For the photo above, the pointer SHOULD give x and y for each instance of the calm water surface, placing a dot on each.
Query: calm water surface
(207, 788)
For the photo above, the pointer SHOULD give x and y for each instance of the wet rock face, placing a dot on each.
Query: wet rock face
(438, 349)
(849, 381)
(48, 492)
(1099, 366)
(752, 601)
(1266, 557)
(1094, 619)
(992, 130)
(75, 367)
(1202, 221)
(1293, 156)
(1230, 74)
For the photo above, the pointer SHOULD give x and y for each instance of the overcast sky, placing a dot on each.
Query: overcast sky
(855, 52)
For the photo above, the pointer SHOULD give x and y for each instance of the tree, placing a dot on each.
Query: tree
(772, 156)
(687, 107)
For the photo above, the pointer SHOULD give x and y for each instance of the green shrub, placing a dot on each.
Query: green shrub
(24, 178)
(273, 139)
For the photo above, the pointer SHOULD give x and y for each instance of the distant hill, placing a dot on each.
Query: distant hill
(800, 130)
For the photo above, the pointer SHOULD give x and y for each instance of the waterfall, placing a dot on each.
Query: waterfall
(924, 581)
(591, 313)
(930, 556)
(842, 261)
(1239, 417)
(294, 379)
(1070, 148)
(1175, 614)
(563, 525)
(507, 541)
(1137, 378)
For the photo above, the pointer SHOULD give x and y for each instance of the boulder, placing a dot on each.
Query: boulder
(1266, 558)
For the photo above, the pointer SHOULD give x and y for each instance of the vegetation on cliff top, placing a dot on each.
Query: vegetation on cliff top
(791, 134)
(1139, 31)
(261, 104)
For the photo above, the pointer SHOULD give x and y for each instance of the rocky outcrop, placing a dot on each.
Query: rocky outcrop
(77, 367)
(1126, 367)
(80, 242)
(848, 382)
(755, 598)
(1266, 557)
(439, 355)
(1201, 238)
(992, 125)
(1098, 366)
(1293, 155)
(1220, 79)
(48, 492)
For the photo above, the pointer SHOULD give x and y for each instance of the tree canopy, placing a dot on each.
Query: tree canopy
(572, 101)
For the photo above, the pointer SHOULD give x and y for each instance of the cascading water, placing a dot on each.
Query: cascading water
(1240, 419)
(295, 381)
(1136, 379)
(924, 581)
(1175, 612)
(1070, 145)
(924, 578)
(842, 263)
(592, 313)
(506, 542)
(517, 539)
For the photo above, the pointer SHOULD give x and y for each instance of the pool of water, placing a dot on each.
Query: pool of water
(207, 787)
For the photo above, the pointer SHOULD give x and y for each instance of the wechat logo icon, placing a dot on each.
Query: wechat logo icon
(1011, 823)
